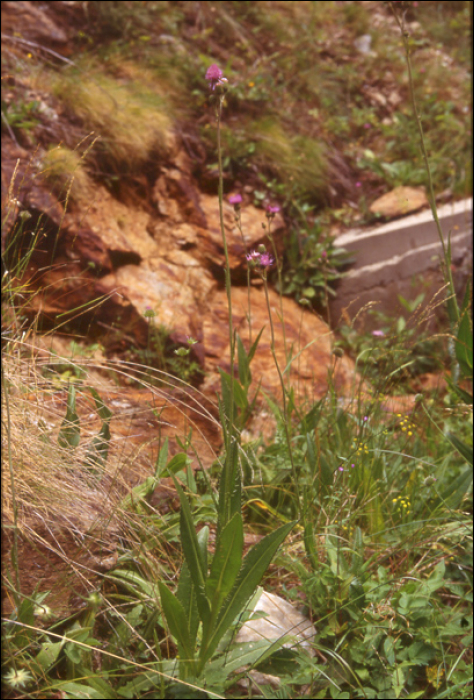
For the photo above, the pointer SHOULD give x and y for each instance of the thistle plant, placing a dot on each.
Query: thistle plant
(211, 595)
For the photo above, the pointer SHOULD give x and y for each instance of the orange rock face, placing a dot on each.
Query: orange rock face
(400, 201)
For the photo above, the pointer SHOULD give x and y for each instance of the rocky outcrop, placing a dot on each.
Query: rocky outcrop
(103, 266)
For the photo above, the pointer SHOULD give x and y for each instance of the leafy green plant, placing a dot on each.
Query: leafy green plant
(383, 548)
(212, 595)
(162, 354)
(398, 350)
(312, 263)
(20, 115)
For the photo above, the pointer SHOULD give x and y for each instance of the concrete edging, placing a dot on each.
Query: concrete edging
(403, 257)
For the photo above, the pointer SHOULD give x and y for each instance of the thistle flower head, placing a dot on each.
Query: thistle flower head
(215, 76)
(266, 260)
(272, 209)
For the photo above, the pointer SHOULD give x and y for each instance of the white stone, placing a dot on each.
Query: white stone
(282, 619)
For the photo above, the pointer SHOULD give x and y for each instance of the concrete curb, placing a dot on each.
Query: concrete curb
(403, 257)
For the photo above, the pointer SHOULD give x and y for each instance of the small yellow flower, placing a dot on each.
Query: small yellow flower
(434, 675)
(251, 84)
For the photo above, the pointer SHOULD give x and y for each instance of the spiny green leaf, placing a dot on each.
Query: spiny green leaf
(226, 562)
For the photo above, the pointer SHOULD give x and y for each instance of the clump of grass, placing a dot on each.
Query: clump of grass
(131, 119)
(296, 160)
(63, 169)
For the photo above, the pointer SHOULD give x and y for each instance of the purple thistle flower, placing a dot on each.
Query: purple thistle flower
(235, 199)
(253, 256)
(215, 76)
(272, 209)
(378, 334)
(266, 260)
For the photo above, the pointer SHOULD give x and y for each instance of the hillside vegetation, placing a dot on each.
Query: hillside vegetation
(130, 564)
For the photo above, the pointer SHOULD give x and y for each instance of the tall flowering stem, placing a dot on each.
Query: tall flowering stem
(230, 484)
(452, 305)
(236, 200)
(228, 285)
(271, 211)
(286, 418)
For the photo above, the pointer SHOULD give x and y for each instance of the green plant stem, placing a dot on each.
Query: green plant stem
(238, 221)
(446, 267)
(229, 467)
(224, 240)
(282, 382)
(280, 285)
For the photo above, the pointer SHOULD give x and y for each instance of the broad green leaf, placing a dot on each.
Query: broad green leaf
(226, 562)
(240, 396)
(336, 558)
(358, 551)
(254, 345)
(48, 654)
(245, 376)
(99, 684)
(311, 419)
(161, 459)
(70, 431)
(185, 592)
(134, 582)
(230, 487)
(104, 412)
(456, 491)
(177, 622)
(80, 691)
(245, 654)
(254, 566)
(98, 450)
(193, 555)
(462, 447)
(463, 346)
(460, 393)
(175, 465)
